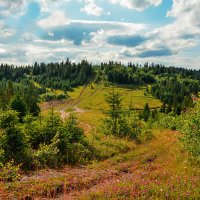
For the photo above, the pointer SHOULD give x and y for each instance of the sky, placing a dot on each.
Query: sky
(160, 31)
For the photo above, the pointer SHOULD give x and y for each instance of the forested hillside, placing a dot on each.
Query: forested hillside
(82, 119)
(175, 87)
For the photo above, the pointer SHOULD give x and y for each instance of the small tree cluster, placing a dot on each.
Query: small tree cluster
(119, 122)
(41, 142)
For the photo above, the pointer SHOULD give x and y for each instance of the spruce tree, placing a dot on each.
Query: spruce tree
(18, 104)
(146, 112)
(114, 114)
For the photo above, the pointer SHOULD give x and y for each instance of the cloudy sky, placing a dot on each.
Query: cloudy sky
(160, 31)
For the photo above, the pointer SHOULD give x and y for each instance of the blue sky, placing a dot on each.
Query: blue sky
(139, 31)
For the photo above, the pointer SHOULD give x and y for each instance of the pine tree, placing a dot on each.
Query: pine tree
(18, 104)
(146, 112)
(169, 109)
(178, 109)
(114, 114)
(15, 143)
(10, 91)
(51, 127)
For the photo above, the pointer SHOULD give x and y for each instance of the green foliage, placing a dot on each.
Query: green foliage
(39, 143)
(34, 109)
(71, 137)
(154, 114)
(33, 141)
(190, 129)
(8, 119)
(114, 122)
(122, 123)
(9, 172)
(167, 121)
(47, 154)
(145, 135)
(51, 127)
(175, 93)
(18, 104)
(146, 112)
(13, 139)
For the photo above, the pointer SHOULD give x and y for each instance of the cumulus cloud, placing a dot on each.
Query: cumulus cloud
(55, 37)
(9, 7)
(49, 5)
(92, 9)
(186, 11)
(184, 32)
(80, 31)
(57, 18)
(138, 5)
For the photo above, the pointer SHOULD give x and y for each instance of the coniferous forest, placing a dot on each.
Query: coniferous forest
(175, 87)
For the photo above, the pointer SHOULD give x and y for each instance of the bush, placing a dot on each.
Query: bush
(145, 135)
(190, 129)
(46, 156)
(9, 172)
(167, 121)
(39, 143)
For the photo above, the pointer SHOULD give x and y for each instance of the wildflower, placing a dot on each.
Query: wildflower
(188, 194)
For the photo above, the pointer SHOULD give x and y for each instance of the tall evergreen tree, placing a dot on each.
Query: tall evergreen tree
(114, 114)
(146, 112)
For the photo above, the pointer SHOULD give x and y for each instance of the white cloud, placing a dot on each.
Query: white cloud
(56, 18)
(92, 9)
(177, 37)
(186, 11)
(138, 5)
(6, 31)
(49, 5)
(10, 7)
(27, 36)
(185, 30)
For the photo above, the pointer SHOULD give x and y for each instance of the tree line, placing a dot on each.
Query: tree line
(173, 86)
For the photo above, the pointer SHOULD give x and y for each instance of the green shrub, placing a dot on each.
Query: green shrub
(167, 121)
(145, 135)
(9, 172)
(46, 156)
(13, 139)
(190, 129)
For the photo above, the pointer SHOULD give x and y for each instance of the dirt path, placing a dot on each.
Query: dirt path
(86, 127)
(65, 114)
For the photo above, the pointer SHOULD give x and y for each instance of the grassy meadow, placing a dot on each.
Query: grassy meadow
(91, 100)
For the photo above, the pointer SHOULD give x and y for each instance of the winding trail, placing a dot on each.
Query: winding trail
(65, 114)
(86, 127)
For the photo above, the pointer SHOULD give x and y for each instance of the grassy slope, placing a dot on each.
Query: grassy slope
(157, 170)
(92, 99)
